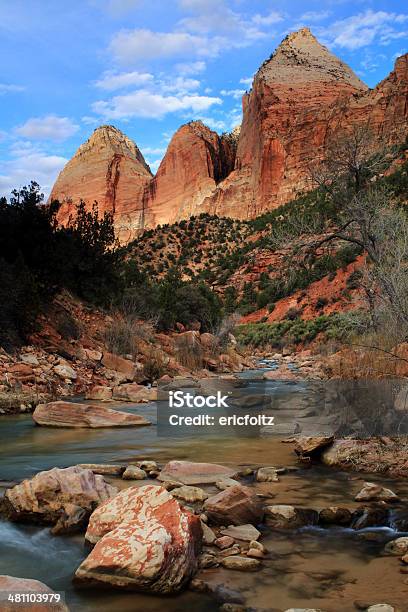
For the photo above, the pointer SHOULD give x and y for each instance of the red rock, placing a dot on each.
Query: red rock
(65, 497)
(144, 541)
(71, 414)
(191, 473)
(110, 170)
(119, 364)
(234, 506)
(302, 99)
(135, 393)
(197, 159)
(10, 584)
(99, 392)
(312, 445)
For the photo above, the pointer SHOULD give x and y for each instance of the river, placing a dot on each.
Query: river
(311, 568)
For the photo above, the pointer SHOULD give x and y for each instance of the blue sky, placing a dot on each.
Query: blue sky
(148, 66)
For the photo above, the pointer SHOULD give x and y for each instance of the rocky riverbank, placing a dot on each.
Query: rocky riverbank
(163, 528)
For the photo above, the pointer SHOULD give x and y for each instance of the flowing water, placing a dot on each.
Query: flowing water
(310, 568)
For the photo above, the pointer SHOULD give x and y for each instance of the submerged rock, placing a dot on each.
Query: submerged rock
(105, 469)
(267, 474)
(234, 506)
(61, 497)
(143, 540)
(243, 564)
(191, 473)
(71, 414)
(11, 585)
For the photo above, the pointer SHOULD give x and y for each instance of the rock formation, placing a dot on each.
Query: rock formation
(196, 161)
(303, 98)
(108, 169)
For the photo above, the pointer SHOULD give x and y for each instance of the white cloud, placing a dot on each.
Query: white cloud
(191, 68)
(114, 80)
(363, 29)
(266, 20)
(153, 150)
(154, 164)
(248, 81)
(180, 84)
(50, 127)
(214, 124)
(10, 88)
(235, 93)
(143, 103)
(133, 46)
(314, 16)
(30, 165)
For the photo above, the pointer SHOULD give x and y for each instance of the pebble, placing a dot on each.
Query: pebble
(243, 564)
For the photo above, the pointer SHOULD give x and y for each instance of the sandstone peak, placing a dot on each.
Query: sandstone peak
(302, 58)
(112, 139)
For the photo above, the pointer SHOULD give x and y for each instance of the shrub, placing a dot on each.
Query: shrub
(189, 353)
(155, 365)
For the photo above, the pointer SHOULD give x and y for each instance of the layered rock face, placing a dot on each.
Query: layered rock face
(302, 100)
(108, 169)
(286, 119)
(197, 159)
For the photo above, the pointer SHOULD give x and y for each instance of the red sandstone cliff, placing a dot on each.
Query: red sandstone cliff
(197, 159)
(302, 99)
(109, 169)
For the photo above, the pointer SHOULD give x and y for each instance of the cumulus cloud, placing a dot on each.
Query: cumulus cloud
(314, 16)
(266, 20)
(133, 46)
(364, 29)
(235, 93)
(50, 127)
(247, 81)
(30, 164)
(191, 68)
(144, 103)
(118, 80)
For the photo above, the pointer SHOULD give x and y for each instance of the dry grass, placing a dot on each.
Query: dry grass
(189, 353)
(125, 335)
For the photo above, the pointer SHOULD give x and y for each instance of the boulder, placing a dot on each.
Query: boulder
(334, 515)
(370, 516)
(100, 393)
(224, 542)
(224, 483)
(11, 585)
(144, 541)
(93, 354)
(375, 492)
(61, 497)
(289, 517)
(119, 364)
(306, 446)
(234, 506)
(189, 494)
(132, 392)
(381, 608)
(247, 533)
(133, 472)
(71, 414)
(267, 474)
(190, 473)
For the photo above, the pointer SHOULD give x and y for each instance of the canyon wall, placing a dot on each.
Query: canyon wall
(302, 100)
